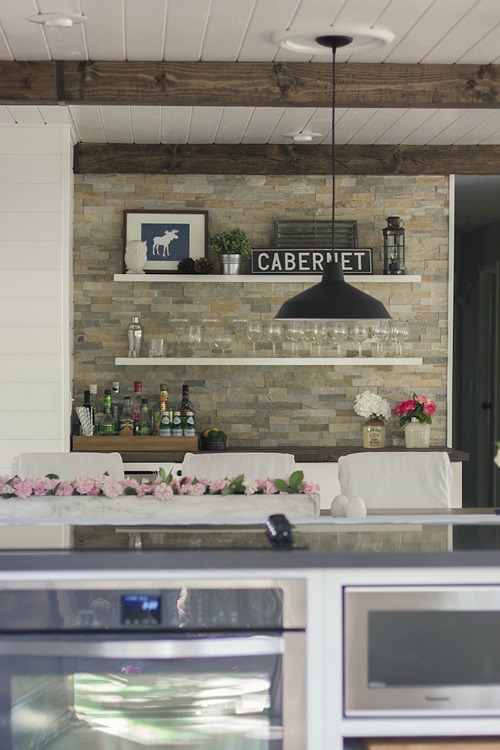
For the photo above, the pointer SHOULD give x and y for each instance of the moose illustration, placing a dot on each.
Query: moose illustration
(164, 241)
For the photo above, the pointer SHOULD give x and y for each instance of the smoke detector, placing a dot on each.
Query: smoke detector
(58, 20)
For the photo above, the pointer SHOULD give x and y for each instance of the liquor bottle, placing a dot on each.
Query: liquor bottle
(159, 407)
(96, 406)
(145, 419)
(186, 413)
(107, 424)
(116, 403)
(126, 421)
(135, 403)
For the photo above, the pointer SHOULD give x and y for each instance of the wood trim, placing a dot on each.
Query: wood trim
(227, 84)
(244, 159)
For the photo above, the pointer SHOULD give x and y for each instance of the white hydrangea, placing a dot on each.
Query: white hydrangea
(368, 404)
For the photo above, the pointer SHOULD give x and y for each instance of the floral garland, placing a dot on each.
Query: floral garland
(163, 487)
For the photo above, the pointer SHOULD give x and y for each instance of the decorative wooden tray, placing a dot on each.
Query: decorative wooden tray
(134, 443)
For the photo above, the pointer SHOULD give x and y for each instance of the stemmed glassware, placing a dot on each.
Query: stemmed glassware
(254, 333)
(359, 333)
(399, 333)
(274, 332)
(209, 326)
(294, 332)
(223, 340)
(178, 326)
(194, 337)
(339, 332)
(316, 333)
(380, 332)
(239, 327)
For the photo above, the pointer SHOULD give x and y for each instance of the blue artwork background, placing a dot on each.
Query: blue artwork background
(179, 248)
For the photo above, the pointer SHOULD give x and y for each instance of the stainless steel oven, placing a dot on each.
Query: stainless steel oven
(96, 665)
(422, 651)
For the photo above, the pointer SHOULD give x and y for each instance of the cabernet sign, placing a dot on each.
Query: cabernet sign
(272, 261)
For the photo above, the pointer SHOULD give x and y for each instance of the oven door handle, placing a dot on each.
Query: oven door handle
(160, 648)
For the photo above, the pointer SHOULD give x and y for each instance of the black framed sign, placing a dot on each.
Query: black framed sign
(170, 236)
(274, 261)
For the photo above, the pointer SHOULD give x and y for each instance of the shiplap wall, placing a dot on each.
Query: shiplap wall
(36, 195)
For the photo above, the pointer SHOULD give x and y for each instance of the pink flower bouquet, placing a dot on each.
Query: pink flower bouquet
(418, 407)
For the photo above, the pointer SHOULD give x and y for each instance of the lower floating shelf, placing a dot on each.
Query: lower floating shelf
(270, 361)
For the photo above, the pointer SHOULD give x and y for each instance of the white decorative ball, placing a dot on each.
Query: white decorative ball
(355, 508)
(338, 506)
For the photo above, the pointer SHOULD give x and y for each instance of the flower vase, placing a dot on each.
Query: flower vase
(374, 433)
(417, 434)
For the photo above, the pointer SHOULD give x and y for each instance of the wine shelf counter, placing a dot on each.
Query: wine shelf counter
(257, 278)
(143, 443)
(270, 361)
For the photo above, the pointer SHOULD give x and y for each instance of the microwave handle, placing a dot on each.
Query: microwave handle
(160, 648)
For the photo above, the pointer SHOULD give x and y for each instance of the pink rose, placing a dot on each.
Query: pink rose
(112, 488)
(163, 491)
(405, 407)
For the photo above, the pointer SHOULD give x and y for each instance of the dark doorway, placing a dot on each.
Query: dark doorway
(476, 365)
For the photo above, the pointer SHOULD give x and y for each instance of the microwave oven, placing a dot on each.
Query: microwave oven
(422, 651)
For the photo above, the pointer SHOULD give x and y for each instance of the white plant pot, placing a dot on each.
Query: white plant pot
(417, 434)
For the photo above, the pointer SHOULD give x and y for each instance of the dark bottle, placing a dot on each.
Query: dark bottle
(186, 413)
(87, 404)
(116, 403)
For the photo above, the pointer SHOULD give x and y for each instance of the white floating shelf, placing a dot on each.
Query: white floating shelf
(269, 361)
(181, 278)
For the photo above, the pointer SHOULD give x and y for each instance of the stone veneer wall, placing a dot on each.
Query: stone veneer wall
(265, 406)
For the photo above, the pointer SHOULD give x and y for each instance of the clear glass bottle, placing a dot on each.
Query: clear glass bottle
(116, 403)
(136, 402)
(107, 424)
(126, 421)
(96, 406)
(145, 419)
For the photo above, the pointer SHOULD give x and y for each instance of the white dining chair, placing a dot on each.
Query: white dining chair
(397, 480)
(68, 465)
(229, 464)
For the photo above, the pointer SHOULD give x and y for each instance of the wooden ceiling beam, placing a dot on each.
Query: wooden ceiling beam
(243, 84)
(284, 159)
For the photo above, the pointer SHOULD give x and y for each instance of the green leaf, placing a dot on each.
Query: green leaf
(52, 476)
(296, 478)
(281, 485)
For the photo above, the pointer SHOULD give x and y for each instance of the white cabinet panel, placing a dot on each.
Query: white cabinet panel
(29, 255)
(41, 425)
(33, 226)
(20, 168)
(25, 368)
(28, 340)
(29, 197)
(40, 141)
(28, 285)
(30, 312)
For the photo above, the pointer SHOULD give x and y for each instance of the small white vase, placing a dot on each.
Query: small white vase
(417, 434)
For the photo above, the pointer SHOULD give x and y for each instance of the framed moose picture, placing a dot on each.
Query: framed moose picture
(170, 236)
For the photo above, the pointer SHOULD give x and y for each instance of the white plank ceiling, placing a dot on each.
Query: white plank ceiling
(425, 31)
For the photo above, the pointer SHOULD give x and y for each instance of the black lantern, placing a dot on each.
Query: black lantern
(394, 246)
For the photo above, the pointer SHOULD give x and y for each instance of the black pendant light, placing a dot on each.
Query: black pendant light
(333, 298)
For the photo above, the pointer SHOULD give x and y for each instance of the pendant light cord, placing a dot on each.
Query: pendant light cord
(334, 50)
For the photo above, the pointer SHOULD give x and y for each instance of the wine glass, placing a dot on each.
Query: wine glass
(380, 332)
(274, 332)
(317, 332)
(223, 340)
(239, 327)
(254, 332)
(209, 325)
(178, 327)
(339, 333)
(194, 337)
(359, 333)
(295, 333)
(399, 333)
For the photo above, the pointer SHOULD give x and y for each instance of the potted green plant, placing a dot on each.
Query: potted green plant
(231, 246)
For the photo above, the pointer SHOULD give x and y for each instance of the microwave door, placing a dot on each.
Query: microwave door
(422, 652)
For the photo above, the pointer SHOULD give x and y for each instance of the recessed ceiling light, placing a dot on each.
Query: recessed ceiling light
(302, 137)
(305, 40)
(58, 20)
